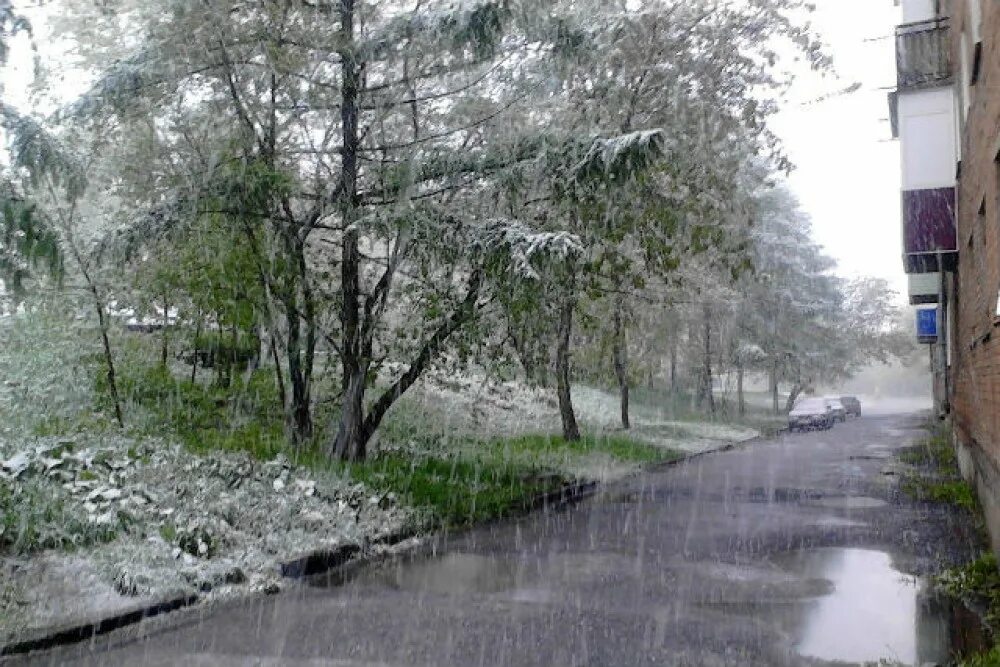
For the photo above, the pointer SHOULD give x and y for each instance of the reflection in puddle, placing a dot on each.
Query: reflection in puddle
(874, 611)
(850, 502)
(453, 573)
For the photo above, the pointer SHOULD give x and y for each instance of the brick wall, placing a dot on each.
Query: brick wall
(976, 332)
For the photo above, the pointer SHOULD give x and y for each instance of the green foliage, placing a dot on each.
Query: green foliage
(219, 349)
(935, 451)
(956, 493)
(479, 30)
(978, 584)
(621, 448)
(27, 243)
(33, 519)
(990, 658)
(42, 155)
(455, 491)
(938, 479)
(245, 416)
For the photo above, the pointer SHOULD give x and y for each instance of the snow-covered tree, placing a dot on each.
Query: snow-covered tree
(396, 166)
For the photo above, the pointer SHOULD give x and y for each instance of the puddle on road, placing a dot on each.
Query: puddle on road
(849, 503)
(838, 522)
(453, 574)
(874, 611)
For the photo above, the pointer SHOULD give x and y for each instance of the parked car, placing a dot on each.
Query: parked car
(810, 414)
(852, 405)
(839, 411)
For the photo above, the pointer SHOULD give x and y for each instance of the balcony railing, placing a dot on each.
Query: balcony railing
(923, 54)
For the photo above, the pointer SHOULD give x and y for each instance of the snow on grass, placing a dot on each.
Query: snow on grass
(117, 518)
(139, 518)
(191, 523)
(476, 404)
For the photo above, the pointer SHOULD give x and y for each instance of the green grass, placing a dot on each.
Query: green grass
(245, 416)
(937, 478)
(935, 450)
(619, 447)
(456, 492)
(454, 479)
(976, 583)
(990, 658)
(957, 493)
(480, 481)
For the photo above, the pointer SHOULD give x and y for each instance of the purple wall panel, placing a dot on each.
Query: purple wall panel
(929, 220)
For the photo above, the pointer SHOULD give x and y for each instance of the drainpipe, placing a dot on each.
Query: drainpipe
(944, 404)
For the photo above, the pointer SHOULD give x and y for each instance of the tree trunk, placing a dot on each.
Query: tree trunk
(194, 358)
(278, 375)
(793, 396)
(164, 350)
(740, 398)
(352, 442)
(571, 431)
(349, 444)
(673, 364)
(109, 358)
(525, 354)
(706, 395)
(258, 354)
(299, 410)
(774, 387)
(545, 367)
(620, 357)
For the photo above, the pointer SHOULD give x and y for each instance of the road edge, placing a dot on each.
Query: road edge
(340, 564)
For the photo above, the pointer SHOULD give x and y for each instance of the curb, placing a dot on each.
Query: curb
(344, 561)
(73, 634)
(339, 564)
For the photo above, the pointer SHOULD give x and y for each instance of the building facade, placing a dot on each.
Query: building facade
(946, 113)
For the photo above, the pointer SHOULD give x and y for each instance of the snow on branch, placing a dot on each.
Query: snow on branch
(40, 154)
(621, 157)
(146, 225)
(474, 25)
(522, 247)
(120, 85)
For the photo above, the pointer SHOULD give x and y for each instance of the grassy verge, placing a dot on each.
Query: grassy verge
(458, 492)
(455, 480)
(619, 447)
(936, 479)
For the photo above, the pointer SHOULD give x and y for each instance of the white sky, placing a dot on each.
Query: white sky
(847, 174)
(847, 168)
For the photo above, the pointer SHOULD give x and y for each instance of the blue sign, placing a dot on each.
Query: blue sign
(927, 325)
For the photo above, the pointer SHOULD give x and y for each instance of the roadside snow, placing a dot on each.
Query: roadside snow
(220, 524)
(210, 524)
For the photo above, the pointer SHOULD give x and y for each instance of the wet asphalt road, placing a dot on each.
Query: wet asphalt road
(690, 565)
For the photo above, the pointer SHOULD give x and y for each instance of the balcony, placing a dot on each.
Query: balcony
(923, 54)
(929, 240)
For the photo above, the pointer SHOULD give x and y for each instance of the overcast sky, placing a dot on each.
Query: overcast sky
(847, 174)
